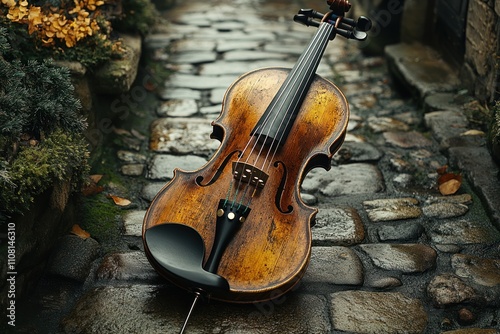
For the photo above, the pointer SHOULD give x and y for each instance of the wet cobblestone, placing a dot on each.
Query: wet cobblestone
(390, 254)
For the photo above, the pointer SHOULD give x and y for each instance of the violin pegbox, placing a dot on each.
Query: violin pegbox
(344, 26)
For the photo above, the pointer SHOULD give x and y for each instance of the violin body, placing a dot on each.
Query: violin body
(270, 252)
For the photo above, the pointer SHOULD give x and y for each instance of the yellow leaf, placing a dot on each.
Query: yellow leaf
(120, 201)
(78, 231)
(449, 187)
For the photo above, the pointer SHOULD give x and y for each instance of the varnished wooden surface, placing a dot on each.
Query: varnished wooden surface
(271, 251)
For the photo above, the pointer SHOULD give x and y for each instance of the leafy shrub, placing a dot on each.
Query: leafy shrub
(41, 131)
(137, 16)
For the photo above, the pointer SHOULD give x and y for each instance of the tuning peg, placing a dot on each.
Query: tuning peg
(303, 19)
(311, 13)
(362, 24)
(352, 34)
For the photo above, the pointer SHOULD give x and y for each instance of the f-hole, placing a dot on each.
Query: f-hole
(199, 179)
(279, 191)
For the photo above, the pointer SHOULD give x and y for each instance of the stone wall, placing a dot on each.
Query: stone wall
(480, 69)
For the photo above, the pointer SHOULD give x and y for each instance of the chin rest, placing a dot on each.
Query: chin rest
(178, 251)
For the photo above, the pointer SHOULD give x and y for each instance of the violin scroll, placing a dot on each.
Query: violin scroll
(345, 27)
(339, 7)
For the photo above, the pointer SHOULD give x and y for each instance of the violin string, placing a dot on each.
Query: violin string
(312, 48)
(286, 90)
(325, 31)
(265, 122)
(259, 136)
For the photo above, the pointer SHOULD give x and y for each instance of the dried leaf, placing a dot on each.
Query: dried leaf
(450, 187)
(441, 170)
(120, 201)
(92, 188)
(96, 177)
(448, 183)
(78, 231)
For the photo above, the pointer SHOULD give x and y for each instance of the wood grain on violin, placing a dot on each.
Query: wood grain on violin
(273, 245)
(237, 229)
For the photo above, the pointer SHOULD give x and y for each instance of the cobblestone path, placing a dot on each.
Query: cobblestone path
(390, 254)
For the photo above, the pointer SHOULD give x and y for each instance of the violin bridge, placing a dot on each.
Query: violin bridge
(249, 174)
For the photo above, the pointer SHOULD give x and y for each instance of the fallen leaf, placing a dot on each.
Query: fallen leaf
(120, 201)
(78, 231)
(92, 188)
(448, 183)
(449, 187)
(441, 170)
(96, 177)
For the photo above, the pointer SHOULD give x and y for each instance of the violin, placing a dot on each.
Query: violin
(236, 229)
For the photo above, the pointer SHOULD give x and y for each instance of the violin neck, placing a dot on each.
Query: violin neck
(276, 122)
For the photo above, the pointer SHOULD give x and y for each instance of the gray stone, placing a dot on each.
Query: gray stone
(209, 110)
(341, 227)
(237, 45)
(252, 55)
(461, 199)
(131, 266)
(178, 108)
(162, 165)
(217, 95)
(448, 289)
(193, 45)
(420, 69)
(382, 282)
(131, 157)
(410, 139)
(481, 271)
(392, 209)
(132, 169)
(402, 180)
(463, 232)
(118, 75)
(179, 93)
(358, 178)
(73, 257)
(193, 57)
(444, 101)
(182, 136)
(132, 222)
(150, 190)
(199, 82)
(446, 124)
(161, 309)
(334, 265)
(158, 40)
(357, 152)
(383, 124)
(401, 232)
(377, 312)
(309, 199)
(407, 258)
(445, 210)
(478, 166)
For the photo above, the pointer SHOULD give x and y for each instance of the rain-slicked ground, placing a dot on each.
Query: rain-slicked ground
(390, 253)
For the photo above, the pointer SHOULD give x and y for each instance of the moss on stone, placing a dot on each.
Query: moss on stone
(58, 157)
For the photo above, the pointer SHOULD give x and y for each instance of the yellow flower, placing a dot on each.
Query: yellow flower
(9, 3)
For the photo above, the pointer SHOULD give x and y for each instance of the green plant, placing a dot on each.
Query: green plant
(59, 157)
(137, 16)
(41, 130)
